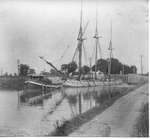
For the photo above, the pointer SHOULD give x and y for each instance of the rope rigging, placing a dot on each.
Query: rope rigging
(100, 51)
(93, 54)
(75, 53)
(85, 54)
(62, 56)
(76, 56)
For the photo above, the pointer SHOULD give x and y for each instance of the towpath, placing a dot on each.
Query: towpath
(119, 119)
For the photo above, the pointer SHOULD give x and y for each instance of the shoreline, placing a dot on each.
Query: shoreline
(14, 83)
(71, 125)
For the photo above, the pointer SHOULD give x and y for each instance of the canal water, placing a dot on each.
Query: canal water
(19, 118)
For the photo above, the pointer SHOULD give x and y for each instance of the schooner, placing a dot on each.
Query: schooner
(70, 82)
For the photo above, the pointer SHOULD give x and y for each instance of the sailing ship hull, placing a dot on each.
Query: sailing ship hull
(34, 88)
(85, 83)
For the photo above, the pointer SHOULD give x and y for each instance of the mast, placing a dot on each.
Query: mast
(80, 41)
(110, 51)
(96, 37)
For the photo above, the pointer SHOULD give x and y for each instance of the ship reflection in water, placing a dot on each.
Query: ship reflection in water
(37, 115)
(78, 100)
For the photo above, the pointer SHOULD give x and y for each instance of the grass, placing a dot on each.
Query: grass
(106, 99)
(142, 126)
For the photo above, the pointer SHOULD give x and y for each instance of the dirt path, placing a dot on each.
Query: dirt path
(117, 120)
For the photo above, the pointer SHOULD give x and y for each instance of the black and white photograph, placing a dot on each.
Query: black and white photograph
(74, 68)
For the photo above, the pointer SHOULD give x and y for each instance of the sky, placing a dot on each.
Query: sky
(49, 28)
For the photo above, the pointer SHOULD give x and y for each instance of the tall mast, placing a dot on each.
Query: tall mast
(110, 51)
(80, 41)
(96, 36)
(81, 14)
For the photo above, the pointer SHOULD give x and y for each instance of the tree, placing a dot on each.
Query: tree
(102, 65)
(64, 68)
(116, 66)
(85, 69)
(23, 70)
(69, 68)
(72, 66)
(126, 69)
(133, 69)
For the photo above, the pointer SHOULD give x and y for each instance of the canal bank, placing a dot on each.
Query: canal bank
(12, 83)
(43, 117)
(119, 119)
(106, 99)
(39, 119)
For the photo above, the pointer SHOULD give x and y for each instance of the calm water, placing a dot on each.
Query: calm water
(21, 119)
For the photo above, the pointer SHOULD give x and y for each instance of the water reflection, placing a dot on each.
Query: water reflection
(72, 99)
(37, 114)
(78, 99)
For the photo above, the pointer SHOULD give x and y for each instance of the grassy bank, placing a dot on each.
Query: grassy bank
(12, 83)
(106, 99)
(142, 126)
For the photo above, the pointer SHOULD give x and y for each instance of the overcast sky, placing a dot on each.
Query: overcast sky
(29, 29)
